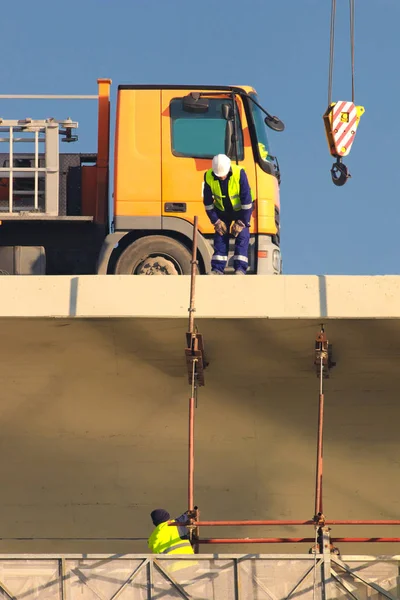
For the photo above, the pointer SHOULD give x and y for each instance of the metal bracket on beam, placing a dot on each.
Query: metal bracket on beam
(323, 353)
(194, 531)
(195, 353)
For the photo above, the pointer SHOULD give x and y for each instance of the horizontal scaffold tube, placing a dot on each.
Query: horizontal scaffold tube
(256, 540)
(291, 540)
(293, 522)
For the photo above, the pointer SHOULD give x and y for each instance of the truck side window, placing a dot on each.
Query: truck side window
(201, 135)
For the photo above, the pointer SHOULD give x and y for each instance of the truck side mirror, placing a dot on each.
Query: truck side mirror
(274, 123)
(194, 103)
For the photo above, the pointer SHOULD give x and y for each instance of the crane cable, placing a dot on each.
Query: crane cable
(341, 118)
(332, 49)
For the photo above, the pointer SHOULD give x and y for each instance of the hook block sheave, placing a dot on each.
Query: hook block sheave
(341, 121)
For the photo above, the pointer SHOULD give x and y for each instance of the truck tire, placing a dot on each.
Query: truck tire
(154, 255)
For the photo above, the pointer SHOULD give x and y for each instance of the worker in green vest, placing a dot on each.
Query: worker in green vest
(169, 539)
(228, 201)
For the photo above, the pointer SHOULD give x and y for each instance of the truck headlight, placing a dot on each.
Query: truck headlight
(276, 260)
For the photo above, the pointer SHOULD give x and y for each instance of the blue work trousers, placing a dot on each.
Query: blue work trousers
(221, 250)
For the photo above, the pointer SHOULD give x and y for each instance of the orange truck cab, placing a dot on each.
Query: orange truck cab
(166, 137)
(56, 205)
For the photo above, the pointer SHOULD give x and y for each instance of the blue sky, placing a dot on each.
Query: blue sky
(281, 48)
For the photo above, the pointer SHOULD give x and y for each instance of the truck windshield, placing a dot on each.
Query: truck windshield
(261, 129)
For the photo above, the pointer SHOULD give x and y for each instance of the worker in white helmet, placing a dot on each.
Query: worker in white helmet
(228, 201)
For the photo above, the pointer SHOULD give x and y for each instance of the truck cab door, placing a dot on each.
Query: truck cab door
(189, 140)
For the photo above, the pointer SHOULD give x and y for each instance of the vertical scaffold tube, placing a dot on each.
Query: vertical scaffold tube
(193, 277)
(192, 399)
(319, 470)
(193, 393)
(191, 454)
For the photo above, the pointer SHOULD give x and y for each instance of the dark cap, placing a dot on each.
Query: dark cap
(159, 515)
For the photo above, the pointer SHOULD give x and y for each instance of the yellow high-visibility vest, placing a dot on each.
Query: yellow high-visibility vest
(233, 188)
(166, 539)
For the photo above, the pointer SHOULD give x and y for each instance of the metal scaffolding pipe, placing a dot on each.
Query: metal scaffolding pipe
(191, 455)
(256, 540)
(360, 539)
(319, 470)
(193, 277)
(292, 522)
(240, 523)
(193, 393)
(373, 522)
(323, 350)
(292, 540)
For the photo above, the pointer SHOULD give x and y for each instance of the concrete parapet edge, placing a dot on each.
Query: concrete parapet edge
(274, 297)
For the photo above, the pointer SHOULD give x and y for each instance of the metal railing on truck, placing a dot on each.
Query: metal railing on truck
(42, 168)
(33, 183)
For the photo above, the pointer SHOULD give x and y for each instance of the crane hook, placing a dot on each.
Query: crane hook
(339, 172)
(341, 119)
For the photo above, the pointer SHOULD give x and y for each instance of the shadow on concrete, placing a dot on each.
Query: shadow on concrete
(323, 298)
(73, 296)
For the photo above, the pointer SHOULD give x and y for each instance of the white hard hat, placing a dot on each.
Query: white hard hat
(221, 165)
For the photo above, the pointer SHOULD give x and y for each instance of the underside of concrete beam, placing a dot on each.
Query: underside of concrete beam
(93, 417)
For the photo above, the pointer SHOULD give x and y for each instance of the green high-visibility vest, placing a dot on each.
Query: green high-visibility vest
(233, 188)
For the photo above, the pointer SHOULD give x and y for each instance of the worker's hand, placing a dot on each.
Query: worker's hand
(237, 227)
(220, 227)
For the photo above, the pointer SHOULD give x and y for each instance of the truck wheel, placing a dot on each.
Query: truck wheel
(154, 255)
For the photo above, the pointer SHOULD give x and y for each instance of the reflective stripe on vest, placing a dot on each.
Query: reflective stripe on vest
(233, 188)
(175, 546)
